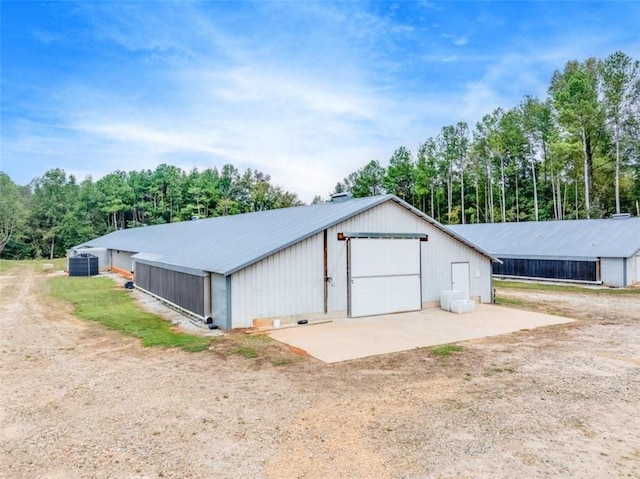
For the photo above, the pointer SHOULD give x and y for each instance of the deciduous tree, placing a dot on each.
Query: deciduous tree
(11, 210)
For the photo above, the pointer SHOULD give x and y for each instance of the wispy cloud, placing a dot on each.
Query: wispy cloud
(307, 92)
(458, 40)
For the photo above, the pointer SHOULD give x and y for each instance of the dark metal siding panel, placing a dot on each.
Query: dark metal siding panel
(546, 268)
(185, 290)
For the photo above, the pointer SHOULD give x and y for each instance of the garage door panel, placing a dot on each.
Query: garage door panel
(385, 276)
(382, 295)
(382, 257)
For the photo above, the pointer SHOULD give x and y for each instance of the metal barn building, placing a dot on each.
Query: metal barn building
(603, 251)
(351, 258)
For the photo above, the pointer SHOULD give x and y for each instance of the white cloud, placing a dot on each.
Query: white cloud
(306, 92)
(457, 40)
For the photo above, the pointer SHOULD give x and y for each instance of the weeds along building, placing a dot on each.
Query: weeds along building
(353, 257)
(603, 251)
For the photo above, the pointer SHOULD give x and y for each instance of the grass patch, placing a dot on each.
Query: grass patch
(59, 264)
(261, 349)
(510, 301)
(250, 346)
(257, 339)
(532, 286)
(540, 307)
(281, 361)
(246, 352)
(98, 299)
(446, 349)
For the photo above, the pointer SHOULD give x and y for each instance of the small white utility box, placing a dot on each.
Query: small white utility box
(460, 306)
(451, 295)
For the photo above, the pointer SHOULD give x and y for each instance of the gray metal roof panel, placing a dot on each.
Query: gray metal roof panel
(601, 238)
(228, 244)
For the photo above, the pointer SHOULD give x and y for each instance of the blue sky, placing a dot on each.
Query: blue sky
(306, 92)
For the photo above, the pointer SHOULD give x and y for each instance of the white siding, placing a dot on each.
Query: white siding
(437, 254)
(612, 271)
(288, 283)
(101, 253)
(291, 282)
(637, 268)
(385, 218)
(122, 260)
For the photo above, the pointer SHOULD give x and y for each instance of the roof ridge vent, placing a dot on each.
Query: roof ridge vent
(620, 216)
(341, 197)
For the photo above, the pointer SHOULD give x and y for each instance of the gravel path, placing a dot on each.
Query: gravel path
(77, 401)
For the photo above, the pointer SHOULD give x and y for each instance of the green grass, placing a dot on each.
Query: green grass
(261, 349)
(561, 287)
(250, 346)
(246, 352)
(35, 264)
(510, 301)
(446, 349)
(100, 300)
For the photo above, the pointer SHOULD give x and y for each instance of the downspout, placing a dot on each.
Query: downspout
(420, 263)
(326, 274)
(348, 278)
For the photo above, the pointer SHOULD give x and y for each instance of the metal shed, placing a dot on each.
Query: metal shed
(602, 251)
(358, 257)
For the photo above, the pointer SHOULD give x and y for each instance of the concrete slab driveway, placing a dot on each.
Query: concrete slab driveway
(345, 339)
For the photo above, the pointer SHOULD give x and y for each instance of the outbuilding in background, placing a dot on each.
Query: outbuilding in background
(600, 251)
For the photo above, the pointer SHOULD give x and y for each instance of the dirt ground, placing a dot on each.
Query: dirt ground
(77, 401)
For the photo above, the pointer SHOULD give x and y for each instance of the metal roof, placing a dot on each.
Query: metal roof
(227, 244)
(568, 239)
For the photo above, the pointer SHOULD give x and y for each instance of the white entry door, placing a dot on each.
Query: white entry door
(638, 269)
(460, 277)
(384, 276)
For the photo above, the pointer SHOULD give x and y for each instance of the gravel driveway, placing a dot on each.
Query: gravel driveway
(77, 401)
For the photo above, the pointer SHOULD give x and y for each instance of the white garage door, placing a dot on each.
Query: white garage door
(385, 276)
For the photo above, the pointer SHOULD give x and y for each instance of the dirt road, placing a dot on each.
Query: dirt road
(77, 401)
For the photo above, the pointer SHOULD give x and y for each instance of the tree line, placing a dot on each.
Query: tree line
(573, 154)
(55, 212)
